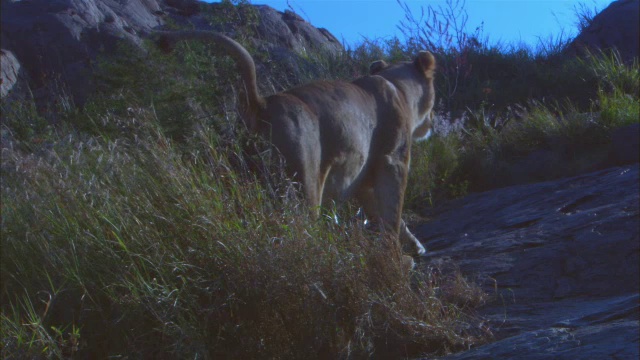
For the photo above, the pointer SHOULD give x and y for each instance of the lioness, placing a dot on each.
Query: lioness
(342, 139)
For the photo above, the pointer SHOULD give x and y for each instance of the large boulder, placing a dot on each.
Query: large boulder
(288, 30)
(282, 41)
(11, 71)
(625, 142)
(562, 259)
(56, 42)
(617, 26)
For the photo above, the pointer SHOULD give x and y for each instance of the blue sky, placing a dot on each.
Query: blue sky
(507, 21)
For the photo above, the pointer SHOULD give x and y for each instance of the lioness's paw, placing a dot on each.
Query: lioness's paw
(420, 250)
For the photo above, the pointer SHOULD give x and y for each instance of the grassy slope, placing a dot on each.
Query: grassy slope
(137, 230)
(135, 227)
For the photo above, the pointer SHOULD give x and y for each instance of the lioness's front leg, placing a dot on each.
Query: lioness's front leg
(407, 239)
(367, 200)
(383, 202)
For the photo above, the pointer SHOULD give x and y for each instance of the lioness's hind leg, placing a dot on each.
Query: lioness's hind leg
(367, 200)
(390, 183)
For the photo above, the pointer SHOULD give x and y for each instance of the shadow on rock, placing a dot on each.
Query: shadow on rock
(562, 259)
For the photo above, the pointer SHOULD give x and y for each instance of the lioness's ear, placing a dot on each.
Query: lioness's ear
(426, 62)
(377, 66)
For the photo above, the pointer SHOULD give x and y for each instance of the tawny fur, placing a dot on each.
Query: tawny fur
(342, 139)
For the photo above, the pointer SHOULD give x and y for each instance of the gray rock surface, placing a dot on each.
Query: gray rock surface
(617, 26)
(56, 42)
(288, 30)
(625, 145)
(562, 259)
(11, 71)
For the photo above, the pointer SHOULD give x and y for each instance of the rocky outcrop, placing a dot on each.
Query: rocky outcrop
(288, 30)
(617, 26)
(57, 42)
(625, 142)
(562, 259)
(281, 32)
(11, 72)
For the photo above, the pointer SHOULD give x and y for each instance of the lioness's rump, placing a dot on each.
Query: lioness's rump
(342, 139)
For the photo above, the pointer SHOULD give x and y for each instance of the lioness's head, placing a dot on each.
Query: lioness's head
(415, 77)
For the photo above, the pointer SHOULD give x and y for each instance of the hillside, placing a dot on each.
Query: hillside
(140, 220)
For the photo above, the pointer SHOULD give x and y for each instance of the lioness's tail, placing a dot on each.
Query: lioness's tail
(254, 103)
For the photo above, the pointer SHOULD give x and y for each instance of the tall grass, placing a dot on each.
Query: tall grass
(133, 247)
(510, 114)
(540, 140)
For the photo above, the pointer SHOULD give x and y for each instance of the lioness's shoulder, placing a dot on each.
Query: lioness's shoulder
(377, 86)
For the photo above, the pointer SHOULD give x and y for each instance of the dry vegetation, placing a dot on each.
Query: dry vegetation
(134, 227)
(127, 247)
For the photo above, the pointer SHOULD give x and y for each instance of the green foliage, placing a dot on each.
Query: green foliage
(584, 15)
(133, 247)
(351, 63)
(471, 72)
(22, 120)
(618, 109)
(442, 30)
(238, 16)
(182, 88)
(433, 163)
(612, 73)
(547, 142)
(517, 109)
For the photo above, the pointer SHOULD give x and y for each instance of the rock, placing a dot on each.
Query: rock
(288, 39)
(11, 72)
(290, 31)
(56, 41)
(625, 145)
(185, 7)
(561, 257)
(539, 165)
(617, 26)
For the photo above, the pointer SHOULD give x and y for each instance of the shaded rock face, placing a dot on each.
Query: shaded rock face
(625, 142)
(281, 32)
(562, 259)
(617, 26)
(288, 30)
(55, 42)
(11, 72)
